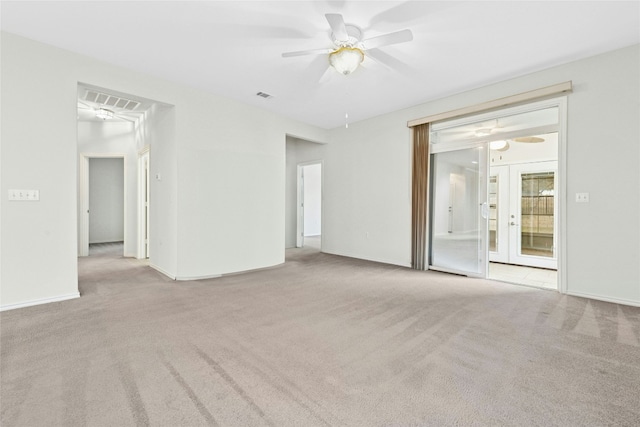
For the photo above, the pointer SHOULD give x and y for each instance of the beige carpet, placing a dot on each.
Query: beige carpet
(321, 340)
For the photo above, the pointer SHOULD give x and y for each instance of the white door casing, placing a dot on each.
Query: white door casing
(144, 185)
(300, 207)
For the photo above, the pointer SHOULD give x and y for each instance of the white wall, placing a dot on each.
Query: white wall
(106, 200)
(368, 188)
(157, 130)
(367, 191)
(312, 200)
(38, 152)
(222, 180)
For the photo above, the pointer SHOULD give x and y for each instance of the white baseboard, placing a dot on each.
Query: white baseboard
(185, 278)
(39, 301)
(379, 260)
(605, 298)
(160, 270)
(215, 276)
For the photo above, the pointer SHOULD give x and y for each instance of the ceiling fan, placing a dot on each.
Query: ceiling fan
(102, 112)
(505, 144)
(348, 50)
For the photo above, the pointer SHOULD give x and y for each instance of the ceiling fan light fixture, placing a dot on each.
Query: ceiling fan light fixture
(500, 145)
(104, 114)
(346, 59)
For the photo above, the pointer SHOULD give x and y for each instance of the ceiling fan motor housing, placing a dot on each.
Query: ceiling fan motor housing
(355, 36)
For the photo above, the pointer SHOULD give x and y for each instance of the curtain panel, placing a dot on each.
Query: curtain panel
(419, 194)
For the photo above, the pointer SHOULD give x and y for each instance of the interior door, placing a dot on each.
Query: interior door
(459, 212)
(533, 218)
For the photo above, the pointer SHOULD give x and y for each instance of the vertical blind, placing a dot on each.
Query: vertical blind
(419, 192)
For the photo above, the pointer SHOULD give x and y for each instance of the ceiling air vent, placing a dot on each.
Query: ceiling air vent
(264, 95)
(132, 105)
(111, 100)
(91, 96)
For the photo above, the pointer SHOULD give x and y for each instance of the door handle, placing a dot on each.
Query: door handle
(484, 208)
(513, 223)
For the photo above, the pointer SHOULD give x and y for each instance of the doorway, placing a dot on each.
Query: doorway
(523, 220)
(113, 124)
(496, 194)
(309, 205)
(103, 195)
(523, 214)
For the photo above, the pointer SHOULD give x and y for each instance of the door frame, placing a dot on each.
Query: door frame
(83, 205)
(561, 128)
(300, 200)
(144, 189)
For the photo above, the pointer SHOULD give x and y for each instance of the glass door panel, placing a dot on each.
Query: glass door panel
(459, 211)
(499, 214)
(536, 214)
(533, 226)
(493, 213)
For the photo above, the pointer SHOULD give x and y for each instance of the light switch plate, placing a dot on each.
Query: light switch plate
(582, 197)
(24, 195)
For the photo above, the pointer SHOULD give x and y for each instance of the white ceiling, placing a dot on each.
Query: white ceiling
(233, 48)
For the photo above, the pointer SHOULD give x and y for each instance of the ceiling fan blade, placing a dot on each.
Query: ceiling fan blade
(388, 39)
(306, 52)
(337, 26)
(84, 104)
(529, 139)
(125, 119)
(389, 62)
(327, 75)
(378, 59)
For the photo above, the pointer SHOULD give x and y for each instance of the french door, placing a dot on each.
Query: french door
(523, 214)
(459, 211)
